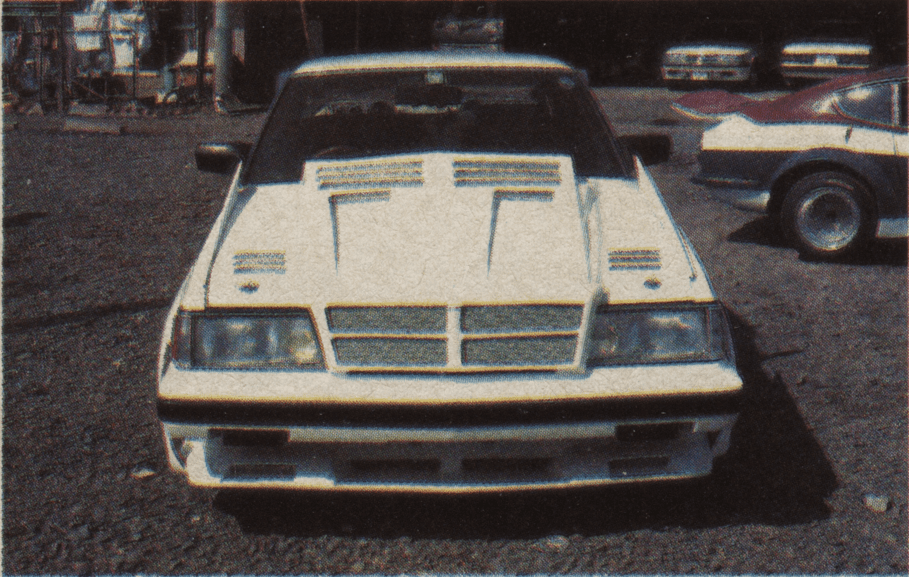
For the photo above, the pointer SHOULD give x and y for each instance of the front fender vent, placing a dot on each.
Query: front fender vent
(635, 259)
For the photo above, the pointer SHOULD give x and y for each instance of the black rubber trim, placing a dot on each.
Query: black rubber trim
(275, 414)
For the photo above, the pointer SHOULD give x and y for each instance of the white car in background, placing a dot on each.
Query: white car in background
(830, 49)
(709, 62)
(726, 52)
(442, 272)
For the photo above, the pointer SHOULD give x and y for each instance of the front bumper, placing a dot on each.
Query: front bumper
(706, 74)
(446, 460)
(546, 440)
(738, 193)
(797, 71)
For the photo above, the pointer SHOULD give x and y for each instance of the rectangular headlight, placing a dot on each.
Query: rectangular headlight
(729, 59)
(247, 341)
(660, 335)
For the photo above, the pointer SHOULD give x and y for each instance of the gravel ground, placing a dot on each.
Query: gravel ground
(99, 231)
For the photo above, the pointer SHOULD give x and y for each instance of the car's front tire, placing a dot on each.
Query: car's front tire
(828, 214)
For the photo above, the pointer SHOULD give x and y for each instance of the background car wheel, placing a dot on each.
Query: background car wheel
(751, 83)
(827, 214)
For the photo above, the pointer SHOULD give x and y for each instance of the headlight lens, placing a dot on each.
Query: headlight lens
(663, 335)
(673, 58)
(247, 341)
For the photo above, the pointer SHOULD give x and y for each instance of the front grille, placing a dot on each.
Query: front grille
(519, 351)
(396, 320)
(799, 58)
(506, 173)
(370, 174)
(854, 59)
(473, 337)
(520, 318)
(390, 352)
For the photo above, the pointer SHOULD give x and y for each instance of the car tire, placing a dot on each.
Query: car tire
(828, 214)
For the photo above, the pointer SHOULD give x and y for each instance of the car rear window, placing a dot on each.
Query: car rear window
(381, 113)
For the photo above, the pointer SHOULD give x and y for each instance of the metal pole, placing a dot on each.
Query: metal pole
(40, 71)
(306, 29)
(201, 51)
(357, 30)
(61, 51)
(135, 41)
(221, 47)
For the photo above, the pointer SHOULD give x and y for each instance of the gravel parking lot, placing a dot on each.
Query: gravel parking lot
(99, 231)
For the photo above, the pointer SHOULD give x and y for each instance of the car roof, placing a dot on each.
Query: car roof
(419, 60)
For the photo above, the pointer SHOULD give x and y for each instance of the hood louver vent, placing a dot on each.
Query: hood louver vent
(506, 173)
(635, 259)
(372, 174)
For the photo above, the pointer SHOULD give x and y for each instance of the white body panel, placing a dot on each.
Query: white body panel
(739, 133)
(329, 387)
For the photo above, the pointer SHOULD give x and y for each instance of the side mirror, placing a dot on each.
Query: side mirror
(652, 148)
(221, 158)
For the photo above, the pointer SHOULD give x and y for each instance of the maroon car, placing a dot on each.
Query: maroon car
(829, 162)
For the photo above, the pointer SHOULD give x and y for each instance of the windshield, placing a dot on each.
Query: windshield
(381, 113)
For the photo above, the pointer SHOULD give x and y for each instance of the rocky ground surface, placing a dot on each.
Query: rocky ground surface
(99, 230)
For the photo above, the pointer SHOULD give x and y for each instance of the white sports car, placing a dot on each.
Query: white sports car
(442, 272)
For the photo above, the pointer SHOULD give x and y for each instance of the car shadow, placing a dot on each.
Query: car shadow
(765, 231)
(775, 473)
(887, 252)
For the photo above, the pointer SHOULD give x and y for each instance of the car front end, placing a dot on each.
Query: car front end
(442, 309)
(708, 63)
(820, 60)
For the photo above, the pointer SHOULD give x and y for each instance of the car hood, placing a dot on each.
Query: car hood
(720, 47)
(443, 228)
(431, 228)
(828, 46)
